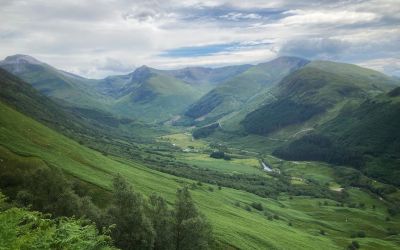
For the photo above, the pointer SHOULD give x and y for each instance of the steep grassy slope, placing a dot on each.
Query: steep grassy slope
(234, 93)
(312, 91)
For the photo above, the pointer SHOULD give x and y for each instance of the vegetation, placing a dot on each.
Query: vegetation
(23, 229)
(279, 114)
(205, 131)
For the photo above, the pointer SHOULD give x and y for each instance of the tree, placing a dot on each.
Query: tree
(192, 231)
(133, 230)
(162, 221)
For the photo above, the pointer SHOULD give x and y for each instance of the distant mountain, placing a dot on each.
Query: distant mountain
(208, 76)
(71, 121)
(146, 94)
(71, 89)
(152, 95)
(233, 94)
(313, 90)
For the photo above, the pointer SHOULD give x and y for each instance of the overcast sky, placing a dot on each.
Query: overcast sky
(102, 37)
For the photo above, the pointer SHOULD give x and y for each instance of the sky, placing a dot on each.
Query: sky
(97, 38)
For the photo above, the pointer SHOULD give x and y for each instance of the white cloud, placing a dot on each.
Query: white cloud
(302, 17)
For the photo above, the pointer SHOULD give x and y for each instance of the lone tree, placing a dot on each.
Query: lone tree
(192, 231)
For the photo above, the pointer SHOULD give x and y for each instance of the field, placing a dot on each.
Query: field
(296, 223)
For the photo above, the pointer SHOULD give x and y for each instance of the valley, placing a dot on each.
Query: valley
(268, 163)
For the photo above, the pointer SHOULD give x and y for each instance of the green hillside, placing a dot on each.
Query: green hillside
(365, 136)
(313, 90)
(153, 96)
(236, 92)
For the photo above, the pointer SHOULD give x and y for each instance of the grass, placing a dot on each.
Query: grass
(233, 225)
(184, 141)
(245, 165)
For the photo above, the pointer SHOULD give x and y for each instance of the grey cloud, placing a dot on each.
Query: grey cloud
(114, 65)
(314, 48)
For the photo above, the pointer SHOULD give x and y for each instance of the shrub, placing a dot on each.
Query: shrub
(257, 205)
(354, 245)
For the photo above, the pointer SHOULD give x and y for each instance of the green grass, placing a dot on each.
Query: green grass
(233, 226)
(184, 140)
(245, 165)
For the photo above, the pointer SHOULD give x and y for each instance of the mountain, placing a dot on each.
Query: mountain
(146, 94)
(152, 95)
(313, 90)
(208, 76)
(74, 122)
(231, 95)
(70, 89)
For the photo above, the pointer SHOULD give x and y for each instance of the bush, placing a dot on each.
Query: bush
(361, 234)
(354, 245)
(217, 155)
(257, 205)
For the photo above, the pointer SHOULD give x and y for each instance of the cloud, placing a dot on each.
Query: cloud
(323, 48)
(113, 65)
(390, 66)
(312, 17)
(101, 37)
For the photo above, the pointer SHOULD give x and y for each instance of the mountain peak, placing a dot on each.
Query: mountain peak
(21, 59)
